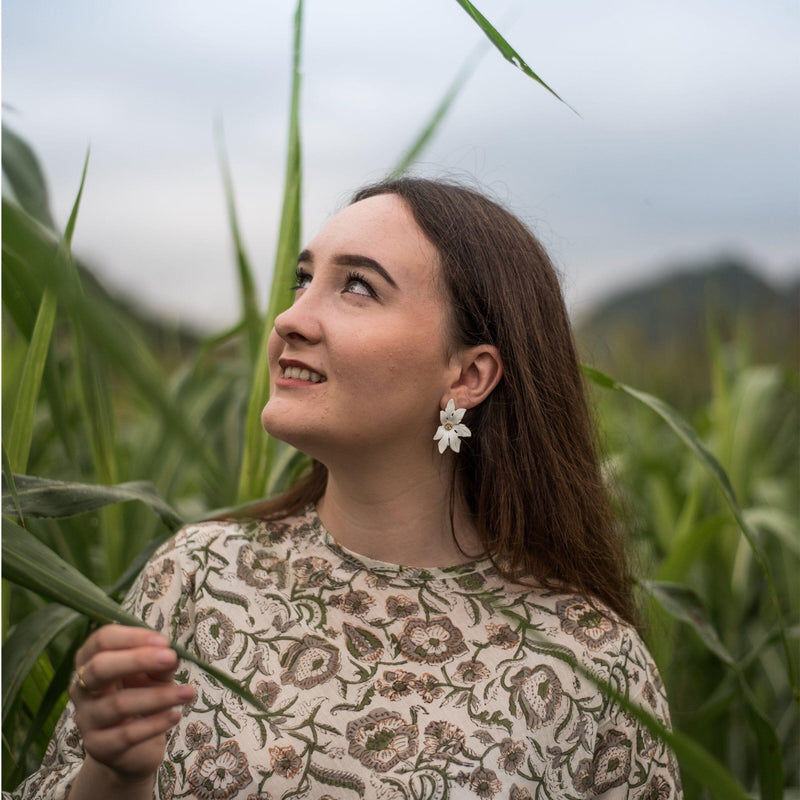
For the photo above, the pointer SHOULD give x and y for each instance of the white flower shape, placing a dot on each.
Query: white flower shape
(451, 429)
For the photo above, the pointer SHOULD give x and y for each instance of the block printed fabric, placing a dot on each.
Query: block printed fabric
(382, 681)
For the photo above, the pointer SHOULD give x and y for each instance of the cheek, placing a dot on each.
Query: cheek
(274, 349)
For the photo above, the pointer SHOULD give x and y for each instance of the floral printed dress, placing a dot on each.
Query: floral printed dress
(382, 681)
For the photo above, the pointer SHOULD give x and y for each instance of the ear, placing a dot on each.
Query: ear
(477, 370)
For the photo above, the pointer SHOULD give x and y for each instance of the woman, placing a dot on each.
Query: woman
(409, 613)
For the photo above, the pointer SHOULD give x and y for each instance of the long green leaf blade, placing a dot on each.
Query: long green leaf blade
(20, 433)
(247, 288)
(23, 647)
(426, 134)
(258, 447)
(29, 563)
(507, 51)
(44, 497)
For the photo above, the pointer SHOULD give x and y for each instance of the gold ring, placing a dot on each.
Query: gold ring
(79, 681)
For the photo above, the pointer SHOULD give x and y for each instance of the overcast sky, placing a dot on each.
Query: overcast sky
(687, 144)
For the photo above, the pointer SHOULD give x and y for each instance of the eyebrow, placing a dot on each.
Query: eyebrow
(352, 260)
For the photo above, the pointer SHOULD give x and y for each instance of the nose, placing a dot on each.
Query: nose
(299, 322)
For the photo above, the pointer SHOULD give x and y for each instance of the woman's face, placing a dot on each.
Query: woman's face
(359, 361)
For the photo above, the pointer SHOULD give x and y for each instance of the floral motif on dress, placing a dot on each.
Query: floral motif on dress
(381, 739)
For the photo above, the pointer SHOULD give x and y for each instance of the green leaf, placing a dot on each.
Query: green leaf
(426, 134)
(684, 604)
(120, 345)
(508, 52)
(23, 647)
(21, 431)
(258, 447)
(251, 319)
(25, 177)
(44, 497)
(687, 434)
(8, 477)
(29, 563)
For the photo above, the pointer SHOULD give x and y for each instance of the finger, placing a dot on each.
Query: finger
(109, 743)
(118, 707)
(118, 637)
(108, 666)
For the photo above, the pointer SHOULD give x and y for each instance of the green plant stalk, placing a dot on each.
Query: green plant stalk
(718, 474)
(259, 449)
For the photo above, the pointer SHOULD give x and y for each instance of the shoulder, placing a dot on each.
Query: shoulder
(587, 638)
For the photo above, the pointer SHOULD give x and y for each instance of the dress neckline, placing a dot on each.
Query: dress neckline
(387, 569)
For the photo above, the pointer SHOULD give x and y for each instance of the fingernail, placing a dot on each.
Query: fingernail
(165, 657)
(185, 693)
(157, 640)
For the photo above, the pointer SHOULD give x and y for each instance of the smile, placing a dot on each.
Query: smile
(302, 374)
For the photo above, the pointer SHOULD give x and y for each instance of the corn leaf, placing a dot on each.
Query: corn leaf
(121, 346)
(44, 497)
(258, 447)
(507, 51)
(32, 565)
(426, 134)
(684, 604)
(23, 647)
(25, 177)
(251, 319)
(686, 433)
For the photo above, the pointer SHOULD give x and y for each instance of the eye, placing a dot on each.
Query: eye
(302, 279)
(355, 283)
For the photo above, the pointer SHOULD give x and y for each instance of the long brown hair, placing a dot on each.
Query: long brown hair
(529, 474)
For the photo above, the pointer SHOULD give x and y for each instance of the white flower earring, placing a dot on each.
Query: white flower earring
(451, 429)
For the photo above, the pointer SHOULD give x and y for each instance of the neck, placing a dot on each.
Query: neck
(398, 514)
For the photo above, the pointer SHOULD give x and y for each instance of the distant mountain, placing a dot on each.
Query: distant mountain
(657, 335)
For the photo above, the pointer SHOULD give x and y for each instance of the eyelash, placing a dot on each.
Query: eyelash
(357, 277)
(302, 277)
(299, 276)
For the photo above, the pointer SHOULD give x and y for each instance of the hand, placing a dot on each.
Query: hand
(125, 699)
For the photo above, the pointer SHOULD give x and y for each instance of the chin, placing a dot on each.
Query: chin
(283, 426)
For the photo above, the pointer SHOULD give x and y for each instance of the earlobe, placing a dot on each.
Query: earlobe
(480, 370)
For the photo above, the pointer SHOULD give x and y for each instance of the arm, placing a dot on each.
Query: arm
(628, 761)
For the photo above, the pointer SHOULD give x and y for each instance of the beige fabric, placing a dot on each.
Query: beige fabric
(383, 681)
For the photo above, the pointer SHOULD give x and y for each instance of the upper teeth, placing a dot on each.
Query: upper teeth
(302, 374)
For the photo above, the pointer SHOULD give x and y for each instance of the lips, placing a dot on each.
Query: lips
(296, 370)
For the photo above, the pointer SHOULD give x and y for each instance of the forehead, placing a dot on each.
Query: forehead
(382, 228)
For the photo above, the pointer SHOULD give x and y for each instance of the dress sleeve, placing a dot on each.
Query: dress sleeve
(629, 762)
(157, 596)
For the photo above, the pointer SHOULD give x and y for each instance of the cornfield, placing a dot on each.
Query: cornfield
(137, 435)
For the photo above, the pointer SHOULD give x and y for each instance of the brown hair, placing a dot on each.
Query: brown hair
(529, 474)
